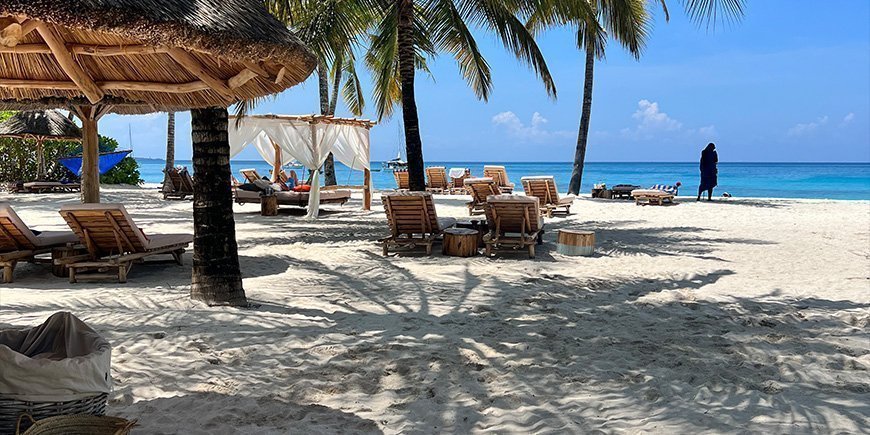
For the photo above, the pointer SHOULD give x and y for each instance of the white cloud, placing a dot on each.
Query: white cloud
(653, 123)
(653, 119)
(847, 119)
(809, 127)
(535, 131)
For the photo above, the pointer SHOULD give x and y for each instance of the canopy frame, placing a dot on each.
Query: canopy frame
(313, 121)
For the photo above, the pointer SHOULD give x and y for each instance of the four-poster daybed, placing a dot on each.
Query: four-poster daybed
(308, 139)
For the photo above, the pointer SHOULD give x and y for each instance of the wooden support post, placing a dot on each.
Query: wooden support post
(367, 189)
(89, 116)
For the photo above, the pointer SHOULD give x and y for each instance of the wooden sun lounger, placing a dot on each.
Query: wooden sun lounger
(499, 175)
(19, 243)
(480, 189)
(298, 199)
(49, 187)
(514, 222)
(544, 188)
(436, 179)
(250, 175)
(403, 182)
(113, 241)
(651, 197)
(178, 184)
(410, 214)
(457, 184)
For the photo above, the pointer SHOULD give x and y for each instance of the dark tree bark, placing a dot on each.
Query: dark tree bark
(583, 134)
(170, 145)
(413, 142)
(323, 82)
(217, 278)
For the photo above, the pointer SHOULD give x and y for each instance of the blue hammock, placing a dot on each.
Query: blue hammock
(107, 161)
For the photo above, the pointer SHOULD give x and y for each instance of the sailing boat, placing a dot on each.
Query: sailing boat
(397, 164)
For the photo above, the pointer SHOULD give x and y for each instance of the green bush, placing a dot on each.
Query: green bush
(19, 160)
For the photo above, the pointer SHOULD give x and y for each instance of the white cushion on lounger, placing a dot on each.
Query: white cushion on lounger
(650, 192)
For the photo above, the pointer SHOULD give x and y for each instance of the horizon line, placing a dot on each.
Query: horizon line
(570, 163)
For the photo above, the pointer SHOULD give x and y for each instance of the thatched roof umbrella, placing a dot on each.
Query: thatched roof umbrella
(139, 56)
(40, 126)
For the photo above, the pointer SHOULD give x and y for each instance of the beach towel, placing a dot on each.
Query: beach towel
(666, 188)
(456, 172)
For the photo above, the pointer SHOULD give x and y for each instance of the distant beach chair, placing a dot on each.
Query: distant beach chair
(499, 175)
(19, 243)
(622, 191)
(403, 182)
(480, 189)
(178, 184)
(436, 179)
(410, 214)
(250, 175)
(49, 187)
(114, 241)
(457, 180)
(544, 188)
(659, 194)
(514, 222)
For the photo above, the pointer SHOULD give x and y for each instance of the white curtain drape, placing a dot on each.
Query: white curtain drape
(352, 147)
(306, 143)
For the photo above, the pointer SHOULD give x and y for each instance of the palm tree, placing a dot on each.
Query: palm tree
(626, 21)
(170, 146)
(217, 278)
(408, 32)
(331, 28)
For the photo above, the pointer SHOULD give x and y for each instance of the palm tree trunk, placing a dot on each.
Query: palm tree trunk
(413, 142)
(336, 86)
(40, 160)
(323, 82)
(217, 278)
(170, 145)
(586, 113)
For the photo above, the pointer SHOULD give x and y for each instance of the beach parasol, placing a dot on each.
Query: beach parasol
(138, 56)
(40, 126)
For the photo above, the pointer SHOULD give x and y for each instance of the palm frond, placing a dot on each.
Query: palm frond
(499, 17)
(453, 36)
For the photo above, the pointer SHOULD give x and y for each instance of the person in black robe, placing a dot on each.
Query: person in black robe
(709, 172)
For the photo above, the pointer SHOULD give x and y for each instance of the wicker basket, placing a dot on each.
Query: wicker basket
(77, 425)
(11, 410)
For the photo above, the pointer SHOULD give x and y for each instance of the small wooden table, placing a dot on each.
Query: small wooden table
(575, 242)
(480, 226)
(269, 205)
(70, 250)
(460, 242)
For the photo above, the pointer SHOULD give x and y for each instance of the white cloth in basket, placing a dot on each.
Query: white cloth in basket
(63, 359)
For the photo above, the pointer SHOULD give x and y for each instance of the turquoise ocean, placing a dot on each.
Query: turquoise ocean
(761, 180)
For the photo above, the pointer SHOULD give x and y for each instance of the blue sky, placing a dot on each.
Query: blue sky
(791, 82)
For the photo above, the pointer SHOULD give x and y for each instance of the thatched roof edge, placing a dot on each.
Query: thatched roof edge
(49, 124)
(234, 29)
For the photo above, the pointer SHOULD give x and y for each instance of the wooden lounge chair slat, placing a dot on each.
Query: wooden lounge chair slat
(113, 240)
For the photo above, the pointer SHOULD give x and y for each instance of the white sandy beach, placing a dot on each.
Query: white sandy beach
(733, 316)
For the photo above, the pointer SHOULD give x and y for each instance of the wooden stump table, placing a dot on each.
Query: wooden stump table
(460, 242)
(269, 205)
(575, 242)
(70, 250)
